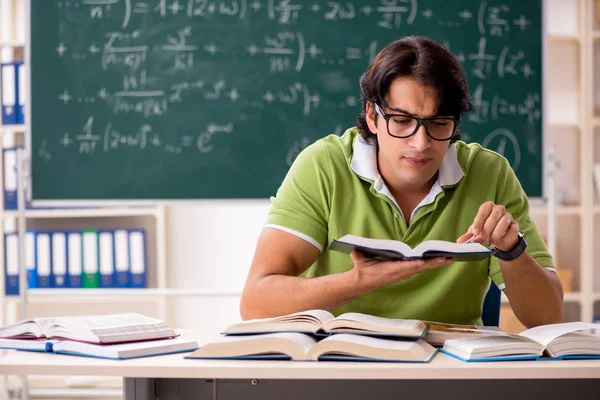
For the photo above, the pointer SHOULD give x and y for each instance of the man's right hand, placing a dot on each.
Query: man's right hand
(372, 273)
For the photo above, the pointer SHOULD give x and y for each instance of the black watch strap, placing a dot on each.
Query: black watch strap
(515, 252)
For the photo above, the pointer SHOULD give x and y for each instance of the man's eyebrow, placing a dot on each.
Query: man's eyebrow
(403, 111)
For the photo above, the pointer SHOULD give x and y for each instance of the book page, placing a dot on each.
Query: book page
(546, 333)
(304, 321)
(118, 323)
(450, 247)
(380, 244)
(376, 324)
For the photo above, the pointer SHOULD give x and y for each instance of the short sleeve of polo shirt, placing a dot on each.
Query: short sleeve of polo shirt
(301, 204)
(513, 197)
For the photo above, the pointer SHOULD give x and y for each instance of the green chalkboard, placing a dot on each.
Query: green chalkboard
(195, 99)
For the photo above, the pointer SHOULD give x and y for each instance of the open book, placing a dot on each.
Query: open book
(299, 346)
(323, 322)
(555, 341)
(439, 332)
(112, 351)
(387, 249)
(101, 329)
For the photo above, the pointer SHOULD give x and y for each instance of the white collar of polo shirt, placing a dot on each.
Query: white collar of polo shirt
(364, 164)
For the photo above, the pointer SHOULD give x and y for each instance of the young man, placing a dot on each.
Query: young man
(401, 174)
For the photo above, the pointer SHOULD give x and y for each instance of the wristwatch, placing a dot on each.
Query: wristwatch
(515, 252)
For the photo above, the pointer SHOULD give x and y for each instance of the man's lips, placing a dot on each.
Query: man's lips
(418, 161)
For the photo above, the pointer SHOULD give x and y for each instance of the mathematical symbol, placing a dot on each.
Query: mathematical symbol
(175, 7)
(313, 50)
(466, 15)
(522, 22)
(255, 5)
(366, 10)
(61, 49)
(65, 97)
(211, 48)
(268, 97)
(252, 49)
(427, 13)
(66, 140)
(233, 94)
(93, 49)
(315, 8)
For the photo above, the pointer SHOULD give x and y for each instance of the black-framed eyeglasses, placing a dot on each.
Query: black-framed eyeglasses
(403, 126)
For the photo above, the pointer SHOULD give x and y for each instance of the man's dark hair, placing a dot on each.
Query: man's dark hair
(424, 60)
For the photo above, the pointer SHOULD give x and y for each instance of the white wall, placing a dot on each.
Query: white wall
(211, 245)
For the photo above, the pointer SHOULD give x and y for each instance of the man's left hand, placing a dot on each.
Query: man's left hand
(494, 225)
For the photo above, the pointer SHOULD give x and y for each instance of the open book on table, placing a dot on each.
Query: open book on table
(439, 332)
(322, 322)
(556, 341)
(100, 329)
(120, 351)
(387, 249)
(299, 346)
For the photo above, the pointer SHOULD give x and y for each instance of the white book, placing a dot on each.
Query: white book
(564, 340)
(299, 346)
(112, 351)
(100, 329)
(323, 322)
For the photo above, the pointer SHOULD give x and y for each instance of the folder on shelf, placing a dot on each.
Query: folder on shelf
(21, 99)
(9, 157)
(74, 260)
(59, 260)
(91, 274)
(44, 259)
(137, 257)
(121, 258)
(106, 257)
(11, 263)
(31, 258)
(8, 94)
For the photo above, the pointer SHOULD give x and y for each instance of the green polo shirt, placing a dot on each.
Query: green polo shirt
(334, 188)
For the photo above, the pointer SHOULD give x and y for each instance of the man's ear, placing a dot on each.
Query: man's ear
(370, 117)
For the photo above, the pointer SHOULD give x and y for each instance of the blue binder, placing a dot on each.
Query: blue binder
(74, 260)
(31, 258)
(137, 258)
(11, 263)
(106, 258)
(8, 93)
(9, 157)
(122, 260)
(59, 260)
(21, 97)
(44, 259)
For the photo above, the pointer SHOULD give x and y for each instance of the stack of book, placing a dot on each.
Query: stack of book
(319, 336)
(113, 336)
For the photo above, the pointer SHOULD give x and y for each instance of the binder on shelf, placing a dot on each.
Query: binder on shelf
(44, 259)
(59, 260)
(137, 257)
(21, 99)
(90, 273)
(31, 258)
(9, 156)
(106, 257)
(8, 95)
(11, 263)
(74, 260)
(121, 258)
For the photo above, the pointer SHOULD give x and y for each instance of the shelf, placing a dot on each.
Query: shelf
(84, 213)
(563, 124)
(66, 295)
(12, 44)
(12, 128)
(557, 37)
(560, 210)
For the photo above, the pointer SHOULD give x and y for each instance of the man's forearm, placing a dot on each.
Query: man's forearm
(276, 295)
(535, 294)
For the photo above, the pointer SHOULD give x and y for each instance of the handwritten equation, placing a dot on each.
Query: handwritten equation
(191, 76)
